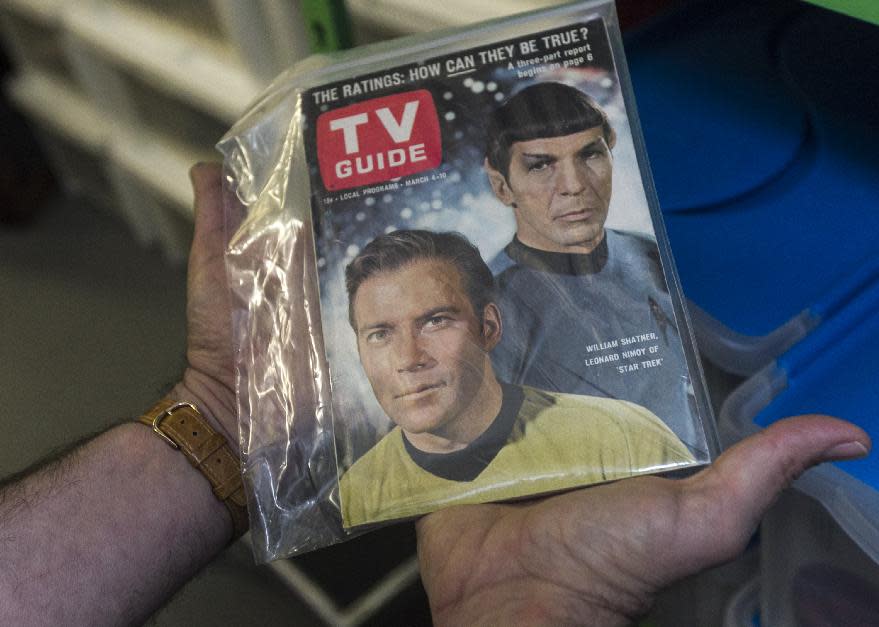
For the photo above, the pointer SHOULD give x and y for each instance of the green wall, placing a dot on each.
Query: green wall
(865, 9)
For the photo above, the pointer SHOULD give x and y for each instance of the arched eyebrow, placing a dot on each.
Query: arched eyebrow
(531, 159)
(593, 147)
(596, 145)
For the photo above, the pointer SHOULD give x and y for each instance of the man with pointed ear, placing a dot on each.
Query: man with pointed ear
(586, 308)
(422, 307)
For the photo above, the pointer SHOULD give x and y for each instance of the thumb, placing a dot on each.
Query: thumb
(207, 191)
(726, 501)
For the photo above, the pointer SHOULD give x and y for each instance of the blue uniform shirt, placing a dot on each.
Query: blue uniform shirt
(600, 324)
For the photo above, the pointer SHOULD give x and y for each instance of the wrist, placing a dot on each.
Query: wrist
(173, 480)
(190, 434)
(215, 401)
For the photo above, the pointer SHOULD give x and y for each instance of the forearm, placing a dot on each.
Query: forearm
(107, 534)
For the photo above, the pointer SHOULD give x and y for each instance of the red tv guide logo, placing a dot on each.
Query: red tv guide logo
(378, 140)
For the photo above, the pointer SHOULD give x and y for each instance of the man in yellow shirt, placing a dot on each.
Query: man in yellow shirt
(422, 307)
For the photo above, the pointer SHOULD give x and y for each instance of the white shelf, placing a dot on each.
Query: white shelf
(286, 28)
(128, 94)
(45, 11)
(147, 172)
(407, 16)
(171, 58)
(158, 163)
(62, 109)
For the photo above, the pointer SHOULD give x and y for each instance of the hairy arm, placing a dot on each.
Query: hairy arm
(106, 534)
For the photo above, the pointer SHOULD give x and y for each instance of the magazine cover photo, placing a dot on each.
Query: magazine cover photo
(496, 314)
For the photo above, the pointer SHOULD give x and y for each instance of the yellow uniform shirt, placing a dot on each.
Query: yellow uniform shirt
(557, 441)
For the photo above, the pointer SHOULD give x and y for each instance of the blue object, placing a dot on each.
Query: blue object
(718, 121)
(835, 371)
(762, 130)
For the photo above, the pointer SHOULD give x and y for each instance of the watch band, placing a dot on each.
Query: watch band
(183, 427)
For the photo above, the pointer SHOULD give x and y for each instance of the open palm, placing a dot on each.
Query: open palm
(598, 556)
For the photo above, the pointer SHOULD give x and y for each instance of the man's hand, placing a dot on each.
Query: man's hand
(598, 556)
(209, 377)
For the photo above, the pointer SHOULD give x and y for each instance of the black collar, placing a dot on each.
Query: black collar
(559, 263)
(467, 463)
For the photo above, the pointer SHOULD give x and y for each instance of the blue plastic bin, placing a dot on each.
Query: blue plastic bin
(835, 371)
(762, 129)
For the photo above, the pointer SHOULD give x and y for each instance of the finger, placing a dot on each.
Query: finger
(728, 499)
(207, 191)
(758, 468)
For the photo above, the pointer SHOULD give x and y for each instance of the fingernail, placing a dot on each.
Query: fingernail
(846, 450)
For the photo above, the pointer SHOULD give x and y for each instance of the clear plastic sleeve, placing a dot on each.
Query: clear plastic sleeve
(554, 368)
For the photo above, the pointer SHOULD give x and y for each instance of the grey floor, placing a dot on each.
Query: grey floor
(92, 330)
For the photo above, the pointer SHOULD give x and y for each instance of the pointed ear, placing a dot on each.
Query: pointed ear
(492, 328)
(499, 184)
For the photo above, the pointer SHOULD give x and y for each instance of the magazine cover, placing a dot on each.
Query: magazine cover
(496, 311)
